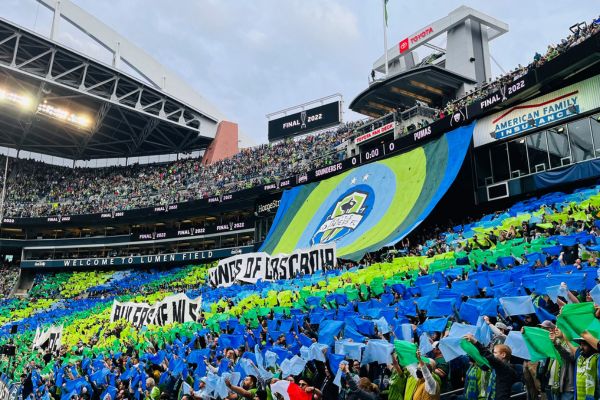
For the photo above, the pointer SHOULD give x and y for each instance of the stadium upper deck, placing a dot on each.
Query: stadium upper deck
(59, 102)
(39, 190)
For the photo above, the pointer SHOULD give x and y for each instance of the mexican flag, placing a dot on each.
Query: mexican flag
(290, 391)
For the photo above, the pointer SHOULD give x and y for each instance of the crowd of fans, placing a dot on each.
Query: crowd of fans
(9, 274)
(351, 332)
(38, 189)
(252, 358)
(579, 33)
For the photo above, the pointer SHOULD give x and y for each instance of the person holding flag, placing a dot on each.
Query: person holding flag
(560, 374)
(429, 385)
(503, 375)
(586, 368)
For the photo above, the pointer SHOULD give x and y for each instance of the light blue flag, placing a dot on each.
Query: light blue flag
(221, 389)
(484, 333)
(295, 366)
(211, 383)
(425, 344)
(450, 348)
(382, 325)
(517, 344)
(459, 330)
(553, 292)
(315, 352)
(248, 367)
(595, 293)
(378, 350)
(259, 358)
(338, 376)
(517, 305)
(338, 347)
(270, 359)
(305, 353)
(407, 332)
(186, 388)
(564, 293)
(264, 374)
(352, 350)
(558, 290)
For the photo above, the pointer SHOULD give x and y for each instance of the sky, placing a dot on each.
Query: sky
(253, 57)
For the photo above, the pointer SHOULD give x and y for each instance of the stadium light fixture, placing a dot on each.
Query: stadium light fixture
(21, 100)
(427, 87)
(63, 114)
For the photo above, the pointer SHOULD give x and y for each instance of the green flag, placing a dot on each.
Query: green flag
(576, 318)
(407, 353)
(472, 351)
(385, 11)
(539, 344)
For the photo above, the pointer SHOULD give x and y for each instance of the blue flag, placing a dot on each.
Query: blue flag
(328, 329)
(517, 305)
(434, 325)
(441, 307)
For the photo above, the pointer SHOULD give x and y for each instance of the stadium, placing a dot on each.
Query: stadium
(442, 245)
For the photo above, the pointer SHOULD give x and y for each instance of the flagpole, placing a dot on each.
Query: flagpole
(385, 37)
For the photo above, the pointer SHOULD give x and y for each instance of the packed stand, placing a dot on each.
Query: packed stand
(579, 34)
(9, 274)
(38, 189)
(504, 304)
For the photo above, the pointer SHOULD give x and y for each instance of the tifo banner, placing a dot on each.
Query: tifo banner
(249, 268)
(370, 206)
(177, 308)
(48, 339)
(555, 106)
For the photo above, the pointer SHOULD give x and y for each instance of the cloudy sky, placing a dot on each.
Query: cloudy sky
(252, 57)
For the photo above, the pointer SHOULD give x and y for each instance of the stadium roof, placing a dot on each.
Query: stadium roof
(44, 85)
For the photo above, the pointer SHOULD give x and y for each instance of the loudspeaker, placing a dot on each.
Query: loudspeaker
(13, 329)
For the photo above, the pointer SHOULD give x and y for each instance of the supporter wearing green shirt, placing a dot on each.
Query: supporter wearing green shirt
(248, 388)
(152, 391)
(397, 381)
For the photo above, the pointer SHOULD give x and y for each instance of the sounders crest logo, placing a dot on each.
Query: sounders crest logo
(345, 216)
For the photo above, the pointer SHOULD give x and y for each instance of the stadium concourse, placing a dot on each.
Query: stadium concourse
(504, 306)
(525, 277)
